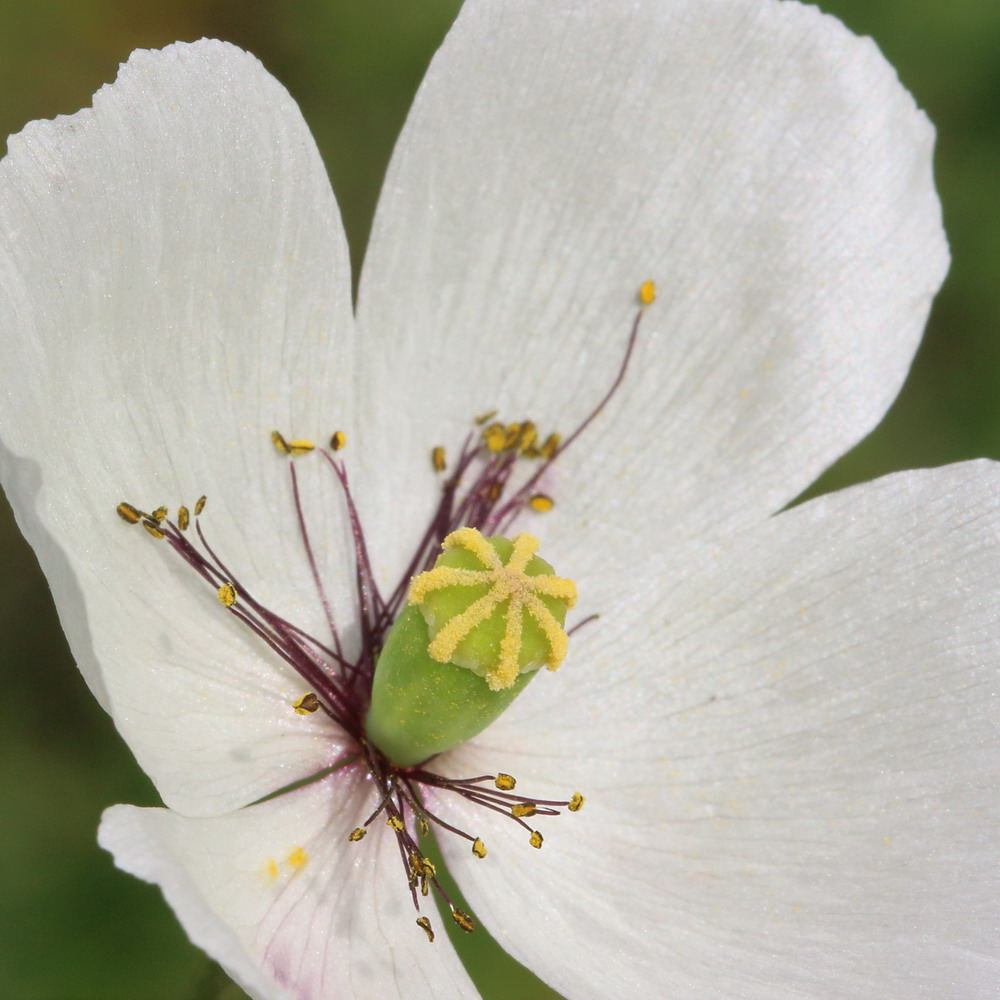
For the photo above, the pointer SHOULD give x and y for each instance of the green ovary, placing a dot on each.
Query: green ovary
(479, 625)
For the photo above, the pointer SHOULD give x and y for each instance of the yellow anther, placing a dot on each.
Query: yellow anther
(505, 782)
(152, 529)
(527, 437)
(429, 868)
(337, 440)
(425, 925)
(307, 704)
(463, 920)
(542, 503)
(495, 437)
(522, 809)
(647, 292)
(482, 418)
(227, 594)
(510, 583)
(395, 822)
(128, 513)
(536, 839)
(199, 505)
(280, 443)
(298, 858)
(576, 803)
(437, 458)
(479, 848)
(300, 446)
(551, 445)
(183, 518)
(358, 833)
(423, 826)
(159, 514)
(513, 436)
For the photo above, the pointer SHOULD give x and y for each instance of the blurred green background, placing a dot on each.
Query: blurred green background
(71, 927)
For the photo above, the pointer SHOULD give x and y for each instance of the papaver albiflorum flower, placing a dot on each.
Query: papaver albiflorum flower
(780, 719)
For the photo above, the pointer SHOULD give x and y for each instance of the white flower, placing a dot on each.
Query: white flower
(783, 724)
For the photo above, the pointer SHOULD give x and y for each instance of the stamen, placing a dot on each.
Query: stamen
(227, 594)
(536, 840)
(337, 440)
(463, 920)
(437, 459)
(159, 514)
(647, 293)
(479, 848)
(542, 503)
(358, 833)
(576, 803)
(151, 527)
(505, 782)
(183, 518)
(425, 925)
(128, 513)
(199, 505)
(307, 704)
(523, 809)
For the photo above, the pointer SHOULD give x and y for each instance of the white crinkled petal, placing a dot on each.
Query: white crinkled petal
(790, 762)
(278, 895)
(759, 162)
(175, 283)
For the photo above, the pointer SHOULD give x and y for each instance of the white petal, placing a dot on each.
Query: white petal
(754, 158)
(791, 770)
(175, 283)
(333, 921)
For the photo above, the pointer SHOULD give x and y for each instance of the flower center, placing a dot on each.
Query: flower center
(489, 609)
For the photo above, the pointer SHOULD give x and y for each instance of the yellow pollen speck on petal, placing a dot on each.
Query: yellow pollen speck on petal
(337, 440)
(395, 822)
(280, 443)
(576, 803)
(159, 514)
(152, 529)
(536, 839)
(199, 505)
(307, 704)
(437, 458)
(271, 870)
(647, 292)
(542, 503)
(300, 446)
(183, 518)
(505, 782)
(463, 920)
(298, 857)
(522, 809)
(128, 513)
(425, 925)
(358, 833)
(479, 848)
(227, 594)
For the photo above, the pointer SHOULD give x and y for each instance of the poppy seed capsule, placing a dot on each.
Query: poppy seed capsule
(478, 627)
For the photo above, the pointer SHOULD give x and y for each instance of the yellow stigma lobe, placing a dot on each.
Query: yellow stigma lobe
(508, 583)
